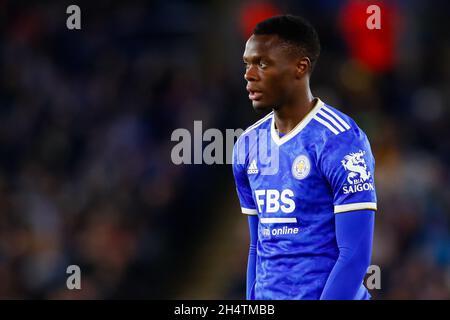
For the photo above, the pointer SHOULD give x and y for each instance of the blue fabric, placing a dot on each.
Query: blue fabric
(298, 185)
(251, 266)
(354, 234)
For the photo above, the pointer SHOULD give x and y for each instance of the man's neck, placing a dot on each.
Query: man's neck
(288, 116)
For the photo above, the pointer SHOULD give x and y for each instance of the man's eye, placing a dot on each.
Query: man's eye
(262, 64)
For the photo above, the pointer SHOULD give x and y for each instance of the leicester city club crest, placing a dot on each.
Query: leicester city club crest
(301, 167)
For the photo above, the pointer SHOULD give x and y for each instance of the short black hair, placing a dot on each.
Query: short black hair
(294, 30)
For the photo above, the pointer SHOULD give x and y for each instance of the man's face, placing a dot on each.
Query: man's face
(271, 72)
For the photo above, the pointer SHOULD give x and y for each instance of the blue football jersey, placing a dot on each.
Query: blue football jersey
(296, 183)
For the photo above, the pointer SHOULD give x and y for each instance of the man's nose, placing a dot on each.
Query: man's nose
(251, 74)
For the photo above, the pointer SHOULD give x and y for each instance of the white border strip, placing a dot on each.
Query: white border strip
(355, 206)
(299, 127)
(326, 124)
(327, 116)
(255, 125)
(278, 220)
(249, 211)
(345, 124)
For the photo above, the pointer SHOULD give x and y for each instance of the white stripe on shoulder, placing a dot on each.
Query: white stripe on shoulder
(255, 125)
(345, 124)
(326, 124)
(331, 119)
(258, 123)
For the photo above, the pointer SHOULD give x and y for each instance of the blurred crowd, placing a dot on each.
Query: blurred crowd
(86, 118)
(86, 176)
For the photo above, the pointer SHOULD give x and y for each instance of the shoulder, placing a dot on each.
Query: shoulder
(334, 125)
(337, 133)
(263, 123)
(332, 122)
(241, 148)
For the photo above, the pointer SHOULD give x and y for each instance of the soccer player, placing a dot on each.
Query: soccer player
(304, 176)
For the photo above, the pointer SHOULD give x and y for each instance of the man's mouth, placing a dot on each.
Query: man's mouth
(254, 94)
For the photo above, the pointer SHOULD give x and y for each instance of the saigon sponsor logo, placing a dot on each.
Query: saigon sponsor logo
(359, 177)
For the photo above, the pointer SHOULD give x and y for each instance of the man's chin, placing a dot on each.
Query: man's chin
(260, 106)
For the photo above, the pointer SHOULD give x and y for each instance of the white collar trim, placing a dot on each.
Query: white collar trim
(299, 127)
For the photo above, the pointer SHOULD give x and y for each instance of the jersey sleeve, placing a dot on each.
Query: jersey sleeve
(348, 164)
(243, 188)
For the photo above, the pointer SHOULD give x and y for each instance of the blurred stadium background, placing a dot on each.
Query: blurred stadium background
(86, 118)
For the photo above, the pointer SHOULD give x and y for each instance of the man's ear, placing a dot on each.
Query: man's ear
(303, 66)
